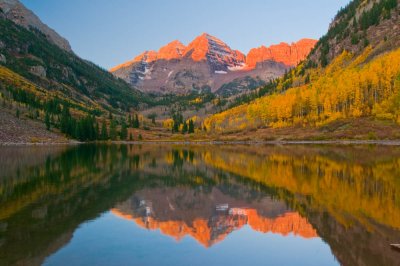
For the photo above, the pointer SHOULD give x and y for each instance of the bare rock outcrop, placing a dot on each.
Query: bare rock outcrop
(288, 54)
(22, 16)
(39, 71)
(3, 59)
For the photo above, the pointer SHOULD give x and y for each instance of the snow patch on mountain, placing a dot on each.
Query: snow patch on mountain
(238, 67)
(220, 72)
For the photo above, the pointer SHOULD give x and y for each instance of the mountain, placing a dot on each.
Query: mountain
(359, 24)
(350, 80)
(219, 55)
(209, 64)
(288, 54)
(40, 76)
(29, 52)
(19, 14)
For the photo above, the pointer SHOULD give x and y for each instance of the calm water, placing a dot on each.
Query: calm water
(199, 205)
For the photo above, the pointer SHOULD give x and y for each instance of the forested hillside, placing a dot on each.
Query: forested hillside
(41, 82)
(29, 54)
(363, 81)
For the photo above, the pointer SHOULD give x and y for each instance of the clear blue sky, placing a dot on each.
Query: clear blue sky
(109, 32)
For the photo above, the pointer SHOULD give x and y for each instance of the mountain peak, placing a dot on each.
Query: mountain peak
(19, 14)
(175, 43)
(205, 35)
(172, 50)
(198, 48)
(147, 56)
(214, 50)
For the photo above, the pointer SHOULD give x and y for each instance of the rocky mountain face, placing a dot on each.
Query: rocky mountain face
(218, 54)
(19, 14)
(288, 54)
(360, 24)
(209, 64)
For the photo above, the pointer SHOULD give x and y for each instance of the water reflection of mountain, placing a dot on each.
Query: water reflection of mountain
(210, 216)
(349, 196)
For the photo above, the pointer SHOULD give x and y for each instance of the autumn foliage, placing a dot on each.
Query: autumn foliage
(348, 88)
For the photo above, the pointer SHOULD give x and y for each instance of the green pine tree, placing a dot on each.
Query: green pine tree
(184, 128)
(175, 127)
(113, 130)
(124, 131)
(191, 127)
(153, 117)
(104, 134)
(65, 121)
(97, 131)
(136, 123)
(47, 121)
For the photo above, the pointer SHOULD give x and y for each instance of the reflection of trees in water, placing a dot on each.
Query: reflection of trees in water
(350, 194)
(13, 160)
(181, 156)
(361, 185)
(53, 198)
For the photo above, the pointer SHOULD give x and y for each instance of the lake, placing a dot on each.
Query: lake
(199, 205)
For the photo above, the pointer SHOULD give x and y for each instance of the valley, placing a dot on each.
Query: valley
(344, 86)
(171, 146)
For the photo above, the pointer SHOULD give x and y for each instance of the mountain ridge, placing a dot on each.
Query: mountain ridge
(19, 14)
(197, 44)
(289, 54)
(209, 63)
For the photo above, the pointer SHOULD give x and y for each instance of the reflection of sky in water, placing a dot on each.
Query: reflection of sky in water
(110, 240)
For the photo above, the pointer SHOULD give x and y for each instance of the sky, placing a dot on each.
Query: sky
(110, 32)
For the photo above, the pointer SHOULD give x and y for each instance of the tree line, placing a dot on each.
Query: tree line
(55, 113)
(181, 125)
(88, 129)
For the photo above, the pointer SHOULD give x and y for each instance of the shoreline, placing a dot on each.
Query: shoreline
(215, 142)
